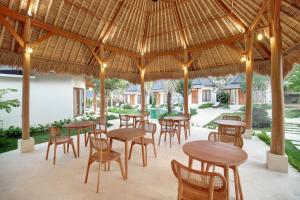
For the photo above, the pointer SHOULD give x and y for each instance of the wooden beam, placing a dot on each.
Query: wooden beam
(186, 82)
(258, 16)
(263, 48)
(42, 38)
(200, 46)
(11, 29)
(234, 18)
(17, 16)
(95, 55)
(238, 50)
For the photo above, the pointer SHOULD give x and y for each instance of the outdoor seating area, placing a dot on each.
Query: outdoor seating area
(131, 155)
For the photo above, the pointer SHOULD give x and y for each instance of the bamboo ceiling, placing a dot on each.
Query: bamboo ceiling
(211, 31)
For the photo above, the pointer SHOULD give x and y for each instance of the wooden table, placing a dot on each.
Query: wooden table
(135, 116)
(79, 126)
(178, 120)
(220, 154)
(126, 135)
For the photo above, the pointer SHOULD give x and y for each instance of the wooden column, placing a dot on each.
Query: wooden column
(94, 100)
(102, 90)
(26, 81)
(249, 80)
(186, 83)
(142, 83)
(277, 137)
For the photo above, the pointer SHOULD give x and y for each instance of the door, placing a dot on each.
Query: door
(78, 101)
(132, 97)
(194, 96)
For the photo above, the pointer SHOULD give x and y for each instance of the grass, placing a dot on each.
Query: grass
(291, 151)
(117, 110)
(9, 144)
(292, 113)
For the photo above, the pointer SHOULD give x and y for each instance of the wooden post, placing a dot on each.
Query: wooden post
(249, 80)
(276, 159)
(186, 83)
(26, 81)
(142, 82)
(102, 90)
(94, 100)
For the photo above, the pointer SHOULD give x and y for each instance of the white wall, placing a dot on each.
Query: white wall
(51, 98)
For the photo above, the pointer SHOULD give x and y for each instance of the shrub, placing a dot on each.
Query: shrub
(205, 105)
(225, 106)
(193, 111)
(127, 106)
(260, 118)
(223, 97)
(264, 137)
(112, 116)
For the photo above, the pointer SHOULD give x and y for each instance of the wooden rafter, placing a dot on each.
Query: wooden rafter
(42, 39)
(238, 50)
(108, 30)
(200, 46)
(263, 48)
(180, 25)
(11, 29)
(17, 16)
(258, 16)
(145, 32)
(232, 16)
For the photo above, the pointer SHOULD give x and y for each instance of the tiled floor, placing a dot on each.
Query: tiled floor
(30, 176)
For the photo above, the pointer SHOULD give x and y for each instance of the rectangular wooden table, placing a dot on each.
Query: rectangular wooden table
(126, 135)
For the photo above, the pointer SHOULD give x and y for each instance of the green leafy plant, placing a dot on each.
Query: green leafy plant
(205, 105)
(223, 97)
(264, 137)
(7, 105)
(127, 106)
(260, 118)
(193, 111)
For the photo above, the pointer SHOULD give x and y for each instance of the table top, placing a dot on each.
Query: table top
(176, 118)
(230, 123)
(137, 115)
(126, 133)
(217, 153)
(81, 124)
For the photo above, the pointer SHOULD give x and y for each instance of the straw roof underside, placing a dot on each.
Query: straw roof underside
(160, 30)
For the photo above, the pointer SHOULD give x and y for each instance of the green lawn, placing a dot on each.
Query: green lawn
(9, 144)
(292, 113)
(293, 154)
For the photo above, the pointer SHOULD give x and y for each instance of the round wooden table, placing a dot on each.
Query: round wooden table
(126, 135)
(178, 120)
(219, 154)
(79, 126)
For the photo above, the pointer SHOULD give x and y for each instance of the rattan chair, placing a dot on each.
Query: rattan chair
(56, 138)
(144, 119)
(197, 185)
(229, 135)
(232, 117)
(186, 124)
(149, 128)
(101, 129)
(168, 127)
(100, 152)
(125, 121)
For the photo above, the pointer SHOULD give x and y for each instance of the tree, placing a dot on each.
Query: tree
(293, 80)
(111, 85)
(7, 105)
(259, 82)
(179, 87)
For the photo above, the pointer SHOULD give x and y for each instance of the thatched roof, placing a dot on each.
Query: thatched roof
(211, 31)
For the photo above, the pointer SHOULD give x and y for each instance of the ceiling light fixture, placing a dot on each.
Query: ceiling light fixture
(259, 36)
(243, 58)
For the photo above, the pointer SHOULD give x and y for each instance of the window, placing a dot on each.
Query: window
(78, 100)
(206, 95)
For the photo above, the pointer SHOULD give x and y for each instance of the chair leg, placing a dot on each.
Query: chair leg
(170, 140)
(64, 148)
(146, 155)
(154, 148)
(68, 147)
(73, 147)
(185, 132)
(130, 151)
(85, 138)
(98, 179)
(159, 139)
(178, 137)
(54, 158)
(87, 172)
(121, 168)
(165, 137)
(189, 128)
(48, 148)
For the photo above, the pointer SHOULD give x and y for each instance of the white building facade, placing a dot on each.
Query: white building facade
(52, 97)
